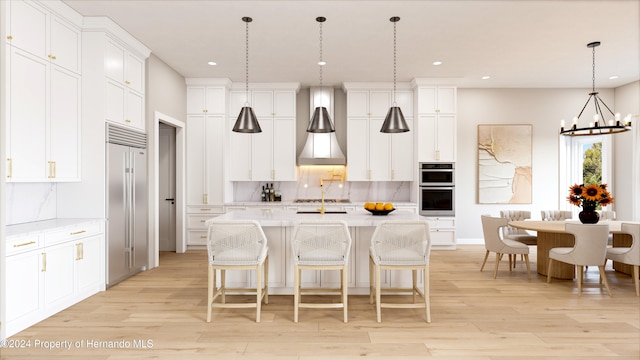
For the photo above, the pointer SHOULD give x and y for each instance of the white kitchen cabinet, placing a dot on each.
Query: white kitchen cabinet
(50, 270)
(271, 154)
(436, 127)
(34, 28)
(205, 139)
(124, 86)
(443, 232)
(376, 156)
(43, 120)
(196, 223)
(206, 99)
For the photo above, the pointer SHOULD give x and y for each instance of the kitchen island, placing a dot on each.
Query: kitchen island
(278, 226)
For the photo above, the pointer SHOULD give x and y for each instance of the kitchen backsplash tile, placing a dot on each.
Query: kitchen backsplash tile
(28, 202)
(308, 187)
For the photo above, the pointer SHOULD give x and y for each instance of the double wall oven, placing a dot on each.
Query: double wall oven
(437, 189)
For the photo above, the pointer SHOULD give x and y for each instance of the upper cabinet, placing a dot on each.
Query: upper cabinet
(271, 154)
(436, 123)
(43, 137)
(372, 155)
(114, 62)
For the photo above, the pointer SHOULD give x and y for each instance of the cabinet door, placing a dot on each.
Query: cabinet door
(358, 104)
(262, 151)
(114, 102)
(404, 99)
(447, 99)
(89, 265)
(28, 97)
(114, 59)
(239, 153)
(426, 128)
(65, 45)
(134, 72)
(215, 100)
(379, 103)
(262, 103)
(427, 100)
(64, 135)
(214, 163)
(284, 103)
(27, 27)
(358, 149)
(24, 290)
(59, 277)
(446, 141)
(196, 100)
(379, 151)
(196, 163)
(284, 149)
(134, 103)
(402, 164)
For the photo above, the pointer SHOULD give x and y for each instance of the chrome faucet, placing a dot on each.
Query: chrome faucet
(332, 178)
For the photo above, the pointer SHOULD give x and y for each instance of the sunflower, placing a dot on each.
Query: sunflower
(592, 192)
(576, 190)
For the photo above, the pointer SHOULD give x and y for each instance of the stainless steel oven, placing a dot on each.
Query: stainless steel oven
(437, 174)
(437, 189)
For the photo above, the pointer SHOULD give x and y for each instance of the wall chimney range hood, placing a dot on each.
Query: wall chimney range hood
(321, 148)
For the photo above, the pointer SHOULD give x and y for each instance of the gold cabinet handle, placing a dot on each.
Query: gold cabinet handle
(44, 262)
(24, 244)
(205, 198)
(369, 174)
(127, 82)
(127, 120)
(50, 169)
(203, 221)
(10, 172)
(273, 174)
(203, 236)
(437, 110)
(78, 232)
(393, 174)
(9, 37)
(52, 57)
(205, 209)
(79, 251)
(205, 110)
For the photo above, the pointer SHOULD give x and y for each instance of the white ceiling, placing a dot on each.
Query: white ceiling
(518, 43)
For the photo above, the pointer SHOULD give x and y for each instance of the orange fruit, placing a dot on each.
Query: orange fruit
(388, 206)
(369, 206)
(379, 206)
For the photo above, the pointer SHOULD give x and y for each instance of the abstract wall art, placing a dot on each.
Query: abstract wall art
(504, 164)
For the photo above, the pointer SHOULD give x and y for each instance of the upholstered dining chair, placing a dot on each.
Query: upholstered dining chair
(607, 214)
(237, 245)
(519, 235)
(590, 249)
(556, 215)
(493, 242)
(629, 255)
(400, 245)
(320, 245)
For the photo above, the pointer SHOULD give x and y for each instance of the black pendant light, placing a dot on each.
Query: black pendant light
(599, 126)
(321, 121)
(394, 121)
(247, 121)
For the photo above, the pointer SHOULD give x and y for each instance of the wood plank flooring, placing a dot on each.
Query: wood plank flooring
(473, 317)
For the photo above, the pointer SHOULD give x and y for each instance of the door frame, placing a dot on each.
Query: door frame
(179, 125)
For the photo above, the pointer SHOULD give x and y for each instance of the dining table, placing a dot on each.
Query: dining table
(552, 234)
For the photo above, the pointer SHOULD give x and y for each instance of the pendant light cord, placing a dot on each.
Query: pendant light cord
(593, 69)
(246, 57)
(394, 20)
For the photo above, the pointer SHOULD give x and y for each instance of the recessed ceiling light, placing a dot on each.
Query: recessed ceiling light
(613, 77)
(212, 63)
(486, 77)
(436, 63)
(322, 63)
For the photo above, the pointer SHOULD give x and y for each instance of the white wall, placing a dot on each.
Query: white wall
(543, 108)
(626, 163)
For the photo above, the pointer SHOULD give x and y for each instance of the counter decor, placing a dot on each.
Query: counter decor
(589, 197)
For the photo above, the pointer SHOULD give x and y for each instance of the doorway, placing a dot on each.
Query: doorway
(167, 188)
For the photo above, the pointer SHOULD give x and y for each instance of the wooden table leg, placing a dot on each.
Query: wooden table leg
(547, 241)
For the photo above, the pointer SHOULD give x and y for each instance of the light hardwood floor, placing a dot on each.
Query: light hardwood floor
(474, 317)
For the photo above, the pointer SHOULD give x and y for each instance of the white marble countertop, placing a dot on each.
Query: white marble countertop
(293, 203)
(44, 225)
(285, 218)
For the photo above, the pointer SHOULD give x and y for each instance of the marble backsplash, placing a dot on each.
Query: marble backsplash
(308, 187)
(28, 202)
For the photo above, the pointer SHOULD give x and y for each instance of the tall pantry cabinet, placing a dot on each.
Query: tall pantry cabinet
(436, 124)
(206, 134)
(43, 91)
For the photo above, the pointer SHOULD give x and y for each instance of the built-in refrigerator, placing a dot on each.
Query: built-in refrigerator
(127, 239)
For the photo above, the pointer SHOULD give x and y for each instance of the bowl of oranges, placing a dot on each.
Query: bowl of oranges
(378, 208)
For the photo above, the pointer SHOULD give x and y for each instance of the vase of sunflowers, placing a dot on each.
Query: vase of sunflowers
(589, 197)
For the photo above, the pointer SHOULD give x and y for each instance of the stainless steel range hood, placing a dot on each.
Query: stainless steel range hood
(321, 148)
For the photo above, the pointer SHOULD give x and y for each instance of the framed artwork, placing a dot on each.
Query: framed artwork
(504, 164)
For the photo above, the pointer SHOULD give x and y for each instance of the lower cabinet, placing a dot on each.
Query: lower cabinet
(51, 271)
(443, 232)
